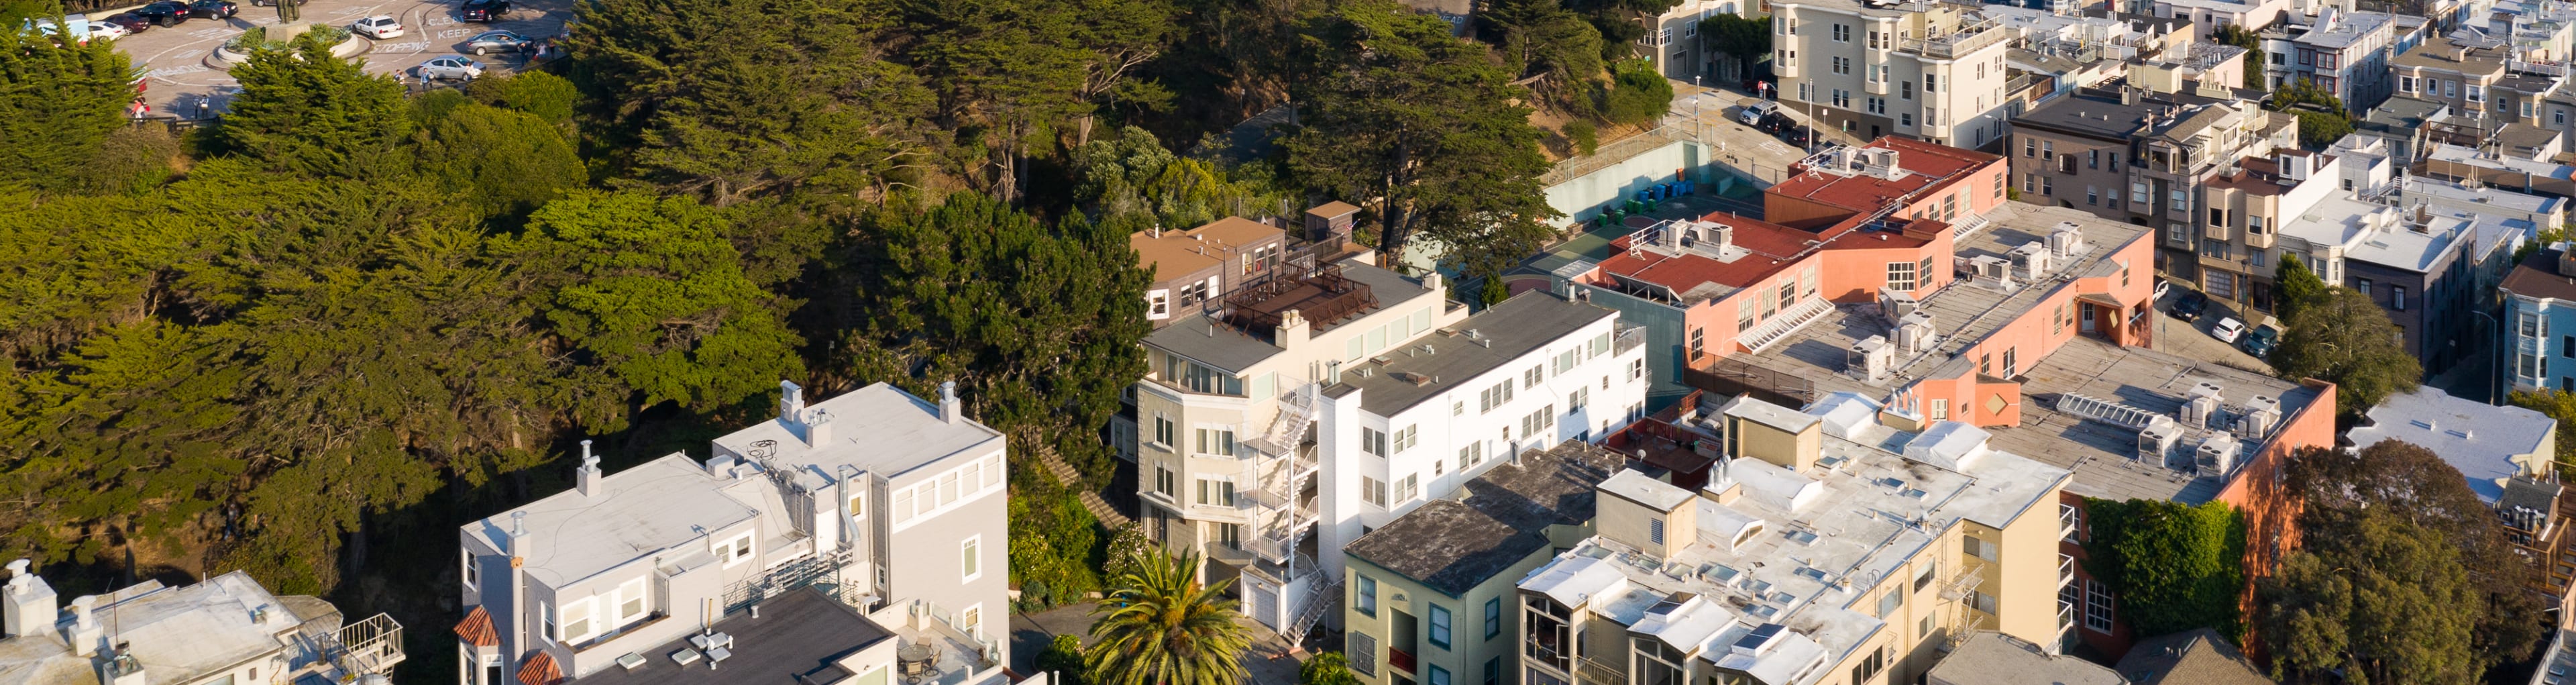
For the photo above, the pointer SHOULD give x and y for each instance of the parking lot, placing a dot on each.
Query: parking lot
(2192, 339)
(174, 59)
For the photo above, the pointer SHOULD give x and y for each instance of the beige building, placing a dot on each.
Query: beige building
(1933, 71)
(2477, 82)
(1199, 266)
(1814, 555)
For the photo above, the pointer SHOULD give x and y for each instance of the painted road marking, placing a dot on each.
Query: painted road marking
(438, 21)
(456, 33)
(174, 71)
(415, 46)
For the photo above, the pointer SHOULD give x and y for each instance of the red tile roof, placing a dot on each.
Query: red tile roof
(1773, 247)
(540, 670)
(1932, 166)
(476, 629)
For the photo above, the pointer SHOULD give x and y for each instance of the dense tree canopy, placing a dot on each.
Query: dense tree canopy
(57, 106)
(2560, 406)
(2343, 337)
(1419, 127)
(2295, 287)
(2402, 575)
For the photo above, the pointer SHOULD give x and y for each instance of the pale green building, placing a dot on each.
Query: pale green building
(1429, 595)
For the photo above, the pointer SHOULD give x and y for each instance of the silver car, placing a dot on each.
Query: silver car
(489, 42)
(449, 67)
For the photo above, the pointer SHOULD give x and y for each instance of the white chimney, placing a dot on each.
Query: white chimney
(27, 602)
(791, 401)
(818, 427)
(587, 478)
(1870, 358)
(84, 634)
(948, 410)
(518, 534)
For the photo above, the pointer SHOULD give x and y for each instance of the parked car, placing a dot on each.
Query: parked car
(101, 29)
(449, 67)
(128, 21)
(485, 10)
(273, 3)
(2163, 288)
(1756, 112)
(2190, 306)
(165, 13)
(1796, 135)
(379, 27)
(2260, 341)
(2228, 330)
(489, 42)
(213, 9)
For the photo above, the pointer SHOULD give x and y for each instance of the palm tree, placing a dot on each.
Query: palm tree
(1159, 626)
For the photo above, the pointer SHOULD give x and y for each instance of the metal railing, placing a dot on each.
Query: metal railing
(1967, 39)
(374, 645)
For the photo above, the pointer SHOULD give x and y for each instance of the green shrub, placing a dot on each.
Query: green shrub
(1585, 136)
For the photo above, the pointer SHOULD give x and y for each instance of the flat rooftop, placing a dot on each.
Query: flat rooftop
(179, 633)
(2376, 233)
(1874, 502)
(879, 429)
(1428, 366)
(1963, 312)
(1173, 254)
(640, 511)
(2479, 439)
(2099, 112)
(2447, 54)
(1211, 341)
(2104, 456)
(2454, 154)
(796, 639)
(1456, 543)
(1697, 270)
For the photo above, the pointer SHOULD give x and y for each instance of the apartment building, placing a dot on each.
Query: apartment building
(2143, 156)
(2428, 270)
(1830, 548)
(1704, 288)
(1431, 593)
(2480, 81)
(219, 631)
(2205, 16)
(2252, 201)
(2041, 334)
(1407, 396)
(2509, 456)
(891, 503)
(1197, 267)
(1922, 69)
(1672, 42)
(2344, 53)
(2540, 309)
(2494, 167)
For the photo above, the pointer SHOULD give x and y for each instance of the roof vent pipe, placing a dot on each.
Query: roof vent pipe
(948, 410)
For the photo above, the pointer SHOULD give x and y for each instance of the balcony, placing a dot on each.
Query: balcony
(2065, 570)
(374, 645)
(1400, 659)
(1322, 297)
(2070, 521)
(931, 649)
(1968, 39)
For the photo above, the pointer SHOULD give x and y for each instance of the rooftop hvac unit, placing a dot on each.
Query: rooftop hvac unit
(1870, 359)
(1715, 237)
(1914, 333)
(2217, 454)
(2067, 240)
(2030, 261)
(2200, 405)
(1993, 270)
(1897, 303)
(2156, 441)
(2260, 416)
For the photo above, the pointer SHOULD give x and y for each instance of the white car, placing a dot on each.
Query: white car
(379, 27)
(2163, 287)
(2228, 330)
(449, 67)
(101, 29)
(1754, 113)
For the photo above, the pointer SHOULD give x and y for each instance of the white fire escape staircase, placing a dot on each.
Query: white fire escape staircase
(1282, 469)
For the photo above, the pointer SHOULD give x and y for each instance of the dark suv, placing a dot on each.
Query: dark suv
(166, 13)
(485, 10)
